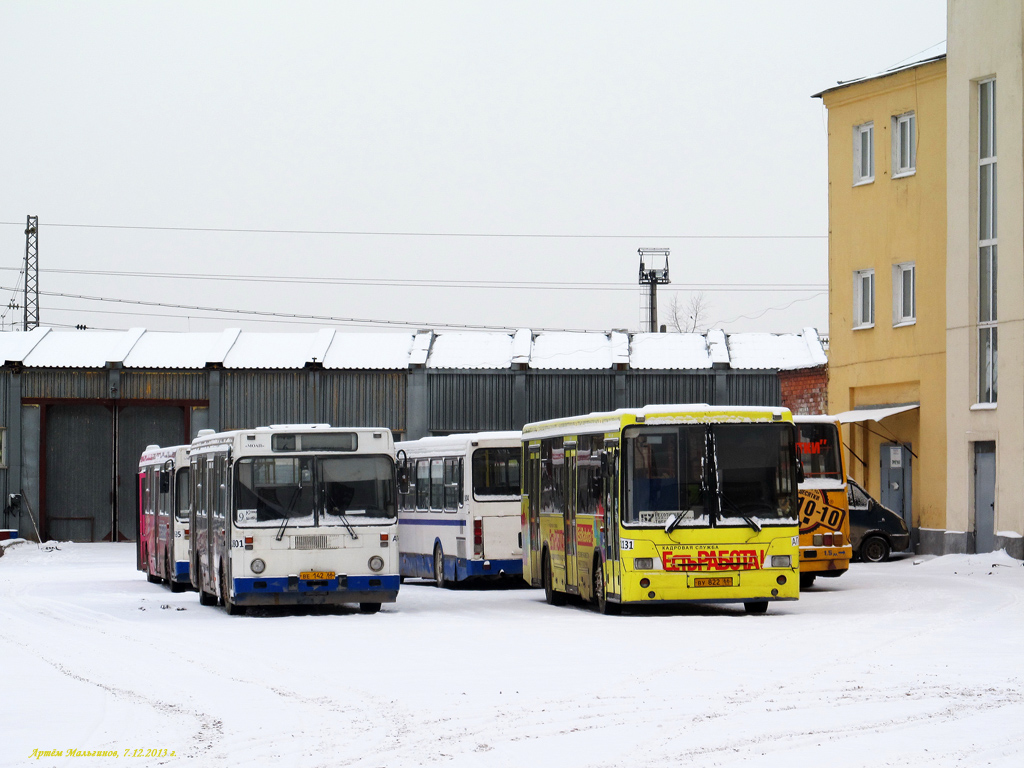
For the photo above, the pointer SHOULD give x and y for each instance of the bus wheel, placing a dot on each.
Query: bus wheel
(225, 594)
(600, 592)
(550, 595)
(756, 608)
(806, 580)
(369, 607)
(439, 566)
(205, 598)
(154, 579)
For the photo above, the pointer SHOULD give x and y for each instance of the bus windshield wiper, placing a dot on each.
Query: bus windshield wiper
(288, 513)
(344, 519)
(733, 507)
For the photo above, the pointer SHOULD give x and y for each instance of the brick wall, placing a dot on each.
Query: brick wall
(805, 390)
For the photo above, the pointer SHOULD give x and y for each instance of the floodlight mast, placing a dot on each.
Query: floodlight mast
(31, 273)
(651, 277)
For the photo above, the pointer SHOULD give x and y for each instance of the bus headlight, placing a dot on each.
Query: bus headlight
(782, 561)
(643, 563)
(258, 566)
(376, 563)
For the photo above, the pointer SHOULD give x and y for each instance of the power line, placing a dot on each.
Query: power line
(773, 309)
(368, 322)
(376, 233)
(431, 283)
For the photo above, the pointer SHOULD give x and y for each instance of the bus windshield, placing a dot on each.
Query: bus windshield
(700, 475)
(356, 485)
(306, 491)
(817, 445)
(496, 473)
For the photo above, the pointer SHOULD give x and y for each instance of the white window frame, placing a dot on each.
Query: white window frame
(862, 278)
(988, 246)
(863, 173)
(904, 146)
(900, 274)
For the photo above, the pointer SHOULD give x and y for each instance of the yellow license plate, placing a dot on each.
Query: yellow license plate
(713, 581)
(316, 575)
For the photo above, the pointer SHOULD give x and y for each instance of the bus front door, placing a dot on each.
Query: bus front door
(611, 523)
(571, 566)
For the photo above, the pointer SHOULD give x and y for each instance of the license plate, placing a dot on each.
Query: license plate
(316, 575)
(713, 581)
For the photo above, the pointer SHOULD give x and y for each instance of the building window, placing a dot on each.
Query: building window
(864, 153)
(904, 305)
(864, 298)
(988, 263)
(904, 145)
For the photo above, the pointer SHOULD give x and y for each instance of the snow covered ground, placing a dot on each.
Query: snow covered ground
(913, 662)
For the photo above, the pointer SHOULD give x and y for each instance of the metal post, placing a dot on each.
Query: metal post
(31, 273)
(651, 277)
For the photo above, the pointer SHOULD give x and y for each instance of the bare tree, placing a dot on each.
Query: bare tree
(690, 317)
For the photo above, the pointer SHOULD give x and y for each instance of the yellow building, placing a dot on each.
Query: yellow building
(887, 285)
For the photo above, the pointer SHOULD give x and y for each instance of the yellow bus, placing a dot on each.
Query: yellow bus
(825, 548)
(662, 504)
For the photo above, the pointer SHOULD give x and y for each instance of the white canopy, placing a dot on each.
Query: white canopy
(873, 414)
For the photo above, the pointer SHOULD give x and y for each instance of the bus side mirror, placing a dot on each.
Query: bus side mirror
(799, 471)
(165, 482)
(403, 472)
(607, 464)
(596, 486)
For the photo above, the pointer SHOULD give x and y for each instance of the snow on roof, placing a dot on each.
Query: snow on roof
(271, 350)
(137, 348)
(927, 56)
(563, 350)
(15, 346)
(164, 349)
(374, 351)
(471, 350)
(669, 351)
(783, 351)
(82, 349)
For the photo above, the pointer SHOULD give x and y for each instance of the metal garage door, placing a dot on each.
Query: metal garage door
(83, 494)
(137, 427)
(79, 450)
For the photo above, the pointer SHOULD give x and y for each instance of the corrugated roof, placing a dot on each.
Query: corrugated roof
(137, 348)
(471, 350)
(369, 351)
(669, 351)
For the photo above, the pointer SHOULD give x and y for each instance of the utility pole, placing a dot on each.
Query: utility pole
(651, 277)
(32, 273)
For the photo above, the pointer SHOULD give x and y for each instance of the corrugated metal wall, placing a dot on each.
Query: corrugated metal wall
(552, 395)
(164, 385)
(761, 388)
(470, 401)
(5, 422)
(260, 398)
(643, 388)
(363, 399)
(65, 383)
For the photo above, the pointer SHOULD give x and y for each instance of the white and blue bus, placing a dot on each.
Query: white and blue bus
(461, 516)
(163, 538)
(294, 515)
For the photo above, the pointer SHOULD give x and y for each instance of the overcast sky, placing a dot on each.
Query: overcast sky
(612, 125)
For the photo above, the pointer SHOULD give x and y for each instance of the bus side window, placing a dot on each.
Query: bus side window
(437, 484)
(451, 485)
(423, 484)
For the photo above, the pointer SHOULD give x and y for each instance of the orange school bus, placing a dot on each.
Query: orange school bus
(663, 504)
(824, 511)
